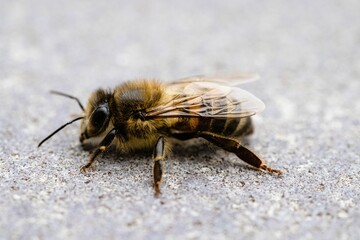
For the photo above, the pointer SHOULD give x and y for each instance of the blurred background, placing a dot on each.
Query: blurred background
(308, 56)
(110, 41)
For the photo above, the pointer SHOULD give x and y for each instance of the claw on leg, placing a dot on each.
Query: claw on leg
(157, 189)
(265, 168)
(87, 167)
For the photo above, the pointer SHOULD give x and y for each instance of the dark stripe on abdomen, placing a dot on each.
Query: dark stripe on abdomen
(204, 124)
(231, 125)
(217, 125)
(244, 127)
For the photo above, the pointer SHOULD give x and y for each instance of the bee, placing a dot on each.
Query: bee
(144, 114)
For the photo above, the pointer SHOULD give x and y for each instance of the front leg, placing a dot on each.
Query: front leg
(103, 146)
(158, 157)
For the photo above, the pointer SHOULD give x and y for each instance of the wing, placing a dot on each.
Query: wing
(227, 80)
(207, 99)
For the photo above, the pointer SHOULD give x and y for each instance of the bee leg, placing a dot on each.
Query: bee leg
(103, 146)
(158, 157)
(234, 146)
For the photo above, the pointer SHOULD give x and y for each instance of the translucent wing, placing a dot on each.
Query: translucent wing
(227, 80)
(207, 99)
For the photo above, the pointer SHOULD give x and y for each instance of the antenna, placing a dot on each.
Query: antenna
(59, 129)
(68, 96)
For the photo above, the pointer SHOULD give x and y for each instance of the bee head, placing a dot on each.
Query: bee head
(97, 115)
(96, 118)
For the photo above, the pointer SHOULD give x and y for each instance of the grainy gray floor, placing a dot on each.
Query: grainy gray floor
(308, 55)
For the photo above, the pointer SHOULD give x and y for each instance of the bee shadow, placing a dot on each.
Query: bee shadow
(198, 151)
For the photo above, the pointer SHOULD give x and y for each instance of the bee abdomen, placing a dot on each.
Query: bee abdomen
(234, 127)
(218, 125)
(244, 127)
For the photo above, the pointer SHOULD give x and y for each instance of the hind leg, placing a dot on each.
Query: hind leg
(234, 146)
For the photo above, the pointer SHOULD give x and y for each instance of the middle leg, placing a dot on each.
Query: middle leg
(158, 170)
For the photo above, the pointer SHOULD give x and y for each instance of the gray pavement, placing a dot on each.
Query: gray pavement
(308, 55)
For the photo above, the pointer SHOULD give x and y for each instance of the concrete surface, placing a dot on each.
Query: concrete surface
(308, 54)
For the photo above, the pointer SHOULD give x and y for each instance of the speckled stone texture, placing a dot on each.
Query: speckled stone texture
(308, 56)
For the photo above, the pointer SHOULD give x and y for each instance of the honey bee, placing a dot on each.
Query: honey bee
(143, 114)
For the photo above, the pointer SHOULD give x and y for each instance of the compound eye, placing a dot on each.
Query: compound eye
(99, 117)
